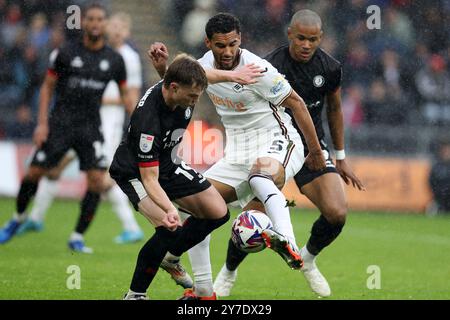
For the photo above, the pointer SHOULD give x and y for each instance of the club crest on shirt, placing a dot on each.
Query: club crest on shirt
(77, 62)
(188, 113)
(146, 142)
(104, 65)
(318, 81)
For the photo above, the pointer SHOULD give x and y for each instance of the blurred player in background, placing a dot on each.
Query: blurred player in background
(112, 115)
(263, 149)
(316, 76)
(78, 75)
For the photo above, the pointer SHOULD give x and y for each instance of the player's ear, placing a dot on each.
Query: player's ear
(208, 43)
(174, 86)
(289, 33)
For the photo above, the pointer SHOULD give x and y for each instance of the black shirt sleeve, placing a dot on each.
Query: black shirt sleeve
(145, 138)
(120, 74)
(335, 78)
(58, 62)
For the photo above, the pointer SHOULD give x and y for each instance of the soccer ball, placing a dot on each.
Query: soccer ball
(247, 228)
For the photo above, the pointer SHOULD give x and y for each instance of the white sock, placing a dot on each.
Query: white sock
(20, 217)
(201, 265)
(171, 257)
(275, 203)
(122, 209)
(307, 256)
(75, 236)
(201, 268)
(44, 197)
(132, 293)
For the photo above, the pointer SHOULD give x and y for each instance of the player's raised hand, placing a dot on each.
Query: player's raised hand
(348, 176)
(40, 134)
(159, 55)
(315, 160)
(247, 74)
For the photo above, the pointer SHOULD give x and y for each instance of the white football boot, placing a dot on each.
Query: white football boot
(315, 279)
(224, 282)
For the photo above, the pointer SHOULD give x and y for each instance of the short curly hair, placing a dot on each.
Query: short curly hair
(222, 23)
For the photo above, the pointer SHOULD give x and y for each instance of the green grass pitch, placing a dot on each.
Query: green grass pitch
(411, 251)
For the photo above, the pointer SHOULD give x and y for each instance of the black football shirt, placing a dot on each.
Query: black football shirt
(153, 135)
(312, 80)
(82, 78)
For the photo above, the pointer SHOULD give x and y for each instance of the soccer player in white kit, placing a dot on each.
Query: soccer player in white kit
(112, 115)
(263, 148)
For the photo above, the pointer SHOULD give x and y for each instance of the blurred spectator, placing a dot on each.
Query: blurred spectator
(39, 31)
(11, 26)
(384, 105)
(193, 29)
(12, 81)
(352, 106)
(358, 66)
(433, 84)
(23, 127)
(439, 178)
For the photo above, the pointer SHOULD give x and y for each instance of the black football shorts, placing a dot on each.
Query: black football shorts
(181, 182)
(86, 141)
(305, 175)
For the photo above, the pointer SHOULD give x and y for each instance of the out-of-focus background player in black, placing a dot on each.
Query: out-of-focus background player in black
(316, 76)
(78, 74)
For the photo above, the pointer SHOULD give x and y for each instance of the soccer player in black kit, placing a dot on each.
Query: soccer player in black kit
(146, 167)
(316, 77)
(78, 74)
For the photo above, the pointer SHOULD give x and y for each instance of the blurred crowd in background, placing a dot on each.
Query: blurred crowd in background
(397, 75)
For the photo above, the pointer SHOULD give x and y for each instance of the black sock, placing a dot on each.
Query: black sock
(234, 256)
(194, 231)
(89, 206)
(27, 190)
(322, 234)
(150, 257)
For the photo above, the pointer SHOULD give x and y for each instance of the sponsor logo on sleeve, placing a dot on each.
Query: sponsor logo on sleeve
(146, 142)
(279, 84)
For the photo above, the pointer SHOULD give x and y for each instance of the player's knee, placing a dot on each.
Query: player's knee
(336, 214)
(53, 175)
(34, 174)
(216, 223)
(96, 184)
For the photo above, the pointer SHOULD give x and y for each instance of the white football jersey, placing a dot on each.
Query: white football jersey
(134, 73)
(255, 106)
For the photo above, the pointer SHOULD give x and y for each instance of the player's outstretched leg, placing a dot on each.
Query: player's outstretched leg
(283, 240)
